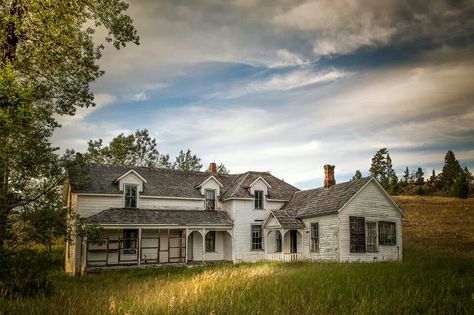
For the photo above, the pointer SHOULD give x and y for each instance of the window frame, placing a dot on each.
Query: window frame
(208, 200)
(368, 237)
(314, 239)
(131, 197)
(210, 242)
(382, 240)
(357, 242)
(256, 242)
(129, 243)
(258, 203)
(278, 242)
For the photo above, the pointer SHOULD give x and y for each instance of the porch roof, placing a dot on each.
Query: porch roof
(287, 219)
(159, 217)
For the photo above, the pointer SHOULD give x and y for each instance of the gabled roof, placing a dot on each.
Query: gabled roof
(209, 178)
(100, 179)
(263, 180)
(130, 172)
(286, 219)
(114, 216)
(322, 200)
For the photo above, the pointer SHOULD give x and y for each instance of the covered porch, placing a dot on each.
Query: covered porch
(195, 236)
(283, 237)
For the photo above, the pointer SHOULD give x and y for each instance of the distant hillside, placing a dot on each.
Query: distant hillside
(441, 225)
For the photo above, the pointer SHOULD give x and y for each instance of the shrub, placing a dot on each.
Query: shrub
(24, 273)
(420, 191)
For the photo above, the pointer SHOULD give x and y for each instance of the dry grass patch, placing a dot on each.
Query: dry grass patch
(440, 225)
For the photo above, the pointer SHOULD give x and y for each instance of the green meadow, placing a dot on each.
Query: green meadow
(430, 280)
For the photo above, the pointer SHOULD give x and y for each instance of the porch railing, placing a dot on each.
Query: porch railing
(285, 257)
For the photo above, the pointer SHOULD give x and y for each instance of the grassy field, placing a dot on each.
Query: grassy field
(436, 277)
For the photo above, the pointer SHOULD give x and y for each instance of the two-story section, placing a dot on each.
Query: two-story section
(161, 216)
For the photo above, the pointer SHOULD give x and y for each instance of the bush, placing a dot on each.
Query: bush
(420, 191)
(24, 273)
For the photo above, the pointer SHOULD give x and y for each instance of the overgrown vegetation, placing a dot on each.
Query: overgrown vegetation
(452, 181)
(435, 277)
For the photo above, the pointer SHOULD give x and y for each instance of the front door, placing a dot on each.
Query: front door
(293, 241)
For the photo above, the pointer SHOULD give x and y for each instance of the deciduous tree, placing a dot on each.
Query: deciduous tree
(48, 58)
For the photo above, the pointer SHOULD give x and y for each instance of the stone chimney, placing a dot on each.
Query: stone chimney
(212, 168)
(329, 179)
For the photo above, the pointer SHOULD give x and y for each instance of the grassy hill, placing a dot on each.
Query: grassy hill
(436, 277)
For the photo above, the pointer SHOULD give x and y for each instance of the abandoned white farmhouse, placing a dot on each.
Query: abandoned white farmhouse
(158, 216)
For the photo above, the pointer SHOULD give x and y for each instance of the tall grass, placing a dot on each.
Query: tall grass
(436, 277)
(421, 284)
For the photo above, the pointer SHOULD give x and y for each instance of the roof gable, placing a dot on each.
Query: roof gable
(208, 179)
(260, 178)
(128, 173)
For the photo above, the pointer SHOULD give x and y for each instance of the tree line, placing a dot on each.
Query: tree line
(138, 149)
(452, 180)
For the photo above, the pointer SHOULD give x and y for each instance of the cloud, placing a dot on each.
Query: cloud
(101, 100)
(282, 82)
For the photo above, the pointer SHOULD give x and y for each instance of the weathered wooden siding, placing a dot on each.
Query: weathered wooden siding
(372, 204)
(173, 204)
(244, 216)
(328, 237)
(197, 245)
(89, 205)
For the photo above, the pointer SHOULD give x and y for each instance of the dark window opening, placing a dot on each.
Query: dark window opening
(387, 235)
(130, 196)
(130, 241)
(278, 242)
(357, 231)
(210, 199)
(256, 237)
(258, 199)
(314, 237)
(211, 241)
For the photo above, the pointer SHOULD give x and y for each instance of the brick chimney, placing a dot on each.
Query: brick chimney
(329, 179)
(212, 168)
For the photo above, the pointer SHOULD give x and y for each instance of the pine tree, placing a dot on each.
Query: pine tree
(432, 179)
(186, 161)
(393, 187)
(379, 163)
(451, 170)
(357, 175)
(419, 179)
(461, 186)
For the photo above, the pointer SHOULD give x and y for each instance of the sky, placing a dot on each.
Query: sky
(288, 86)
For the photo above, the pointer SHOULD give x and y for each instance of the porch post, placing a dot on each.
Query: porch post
(186, 246)
(139, 246)
(203, 243)
(265, 242)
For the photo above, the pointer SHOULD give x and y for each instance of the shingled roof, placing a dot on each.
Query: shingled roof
(97, 178)
(322, 200)
(163, 217)
(287, 219)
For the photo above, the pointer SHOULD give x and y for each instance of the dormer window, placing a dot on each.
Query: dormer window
(210, 199)
(258, 202)
(130, 196)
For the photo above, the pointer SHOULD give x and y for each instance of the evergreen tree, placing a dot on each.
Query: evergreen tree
(451, 170)
(379, 163)
(221, 169)
(432, 179)
(357, 175)
(186, 161)
(419, 179)
(393, 187)
(461, 186)
(389, 172)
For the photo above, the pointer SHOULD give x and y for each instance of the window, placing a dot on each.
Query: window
(210, 199)
(211, 241)
(357, 230)
(314, 237)
(371, 236)
(258, 199)
(130, 196)
(256, 237)
(130, 241)
(278, 241)
(387, 235)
